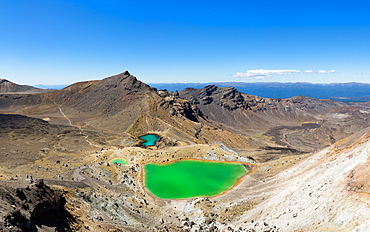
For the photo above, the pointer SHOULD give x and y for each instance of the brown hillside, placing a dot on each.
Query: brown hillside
(10, 87)
(297, 124)
(242, 111)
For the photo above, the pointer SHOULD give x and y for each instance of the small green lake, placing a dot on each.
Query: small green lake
(118, 161)
(150, 139)
(191, 178)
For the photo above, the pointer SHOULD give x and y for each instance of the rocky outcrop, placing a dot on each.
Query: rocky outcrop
(231, 99)
(32, 207)
(229, 106)
(175, 105)
(228, 98)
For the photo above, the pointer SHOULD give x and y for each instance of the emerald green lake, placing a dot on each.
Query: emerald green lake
(150, 139)
(191, 178)
(118, 161)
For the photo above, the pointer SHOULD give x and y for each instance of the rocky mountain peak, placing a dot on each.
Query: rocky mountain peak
(123, 81)
(119, 77)
(208, 90)
(3, 81)
(107, 96)
(227, 97)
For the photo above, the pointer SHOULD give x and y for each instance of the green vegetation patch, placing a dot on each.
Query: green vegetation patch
(191, 178)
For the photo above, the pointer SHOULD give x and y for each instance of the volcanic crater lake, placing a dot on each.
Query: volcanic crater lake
(118, 161)
(191, 178)
(149, 139)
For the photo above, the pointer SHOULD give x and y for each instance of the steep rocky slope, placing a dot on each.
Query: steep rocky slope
(34, 207)
(299, 123)
(327, 191)
(242, 111)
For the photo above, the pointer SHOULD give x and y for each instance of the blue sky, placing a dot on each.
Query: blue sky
(64, 41)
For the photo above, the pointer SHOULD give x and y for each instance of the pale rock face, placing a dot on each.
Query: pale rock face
(315, 195)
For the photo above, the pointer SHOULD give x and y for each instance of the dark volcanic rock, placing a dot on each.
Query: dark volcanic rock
(229, 106)
(175, 105)
(37, 205)
(228, 98)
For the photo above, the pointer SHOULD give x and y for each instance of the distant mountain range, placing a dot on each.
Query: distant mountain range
(345, 92)
(56, 87)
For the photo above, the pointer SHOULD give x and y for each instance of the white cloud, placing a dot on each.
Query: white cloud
(249, 75)
(323, 71)
(260, 74)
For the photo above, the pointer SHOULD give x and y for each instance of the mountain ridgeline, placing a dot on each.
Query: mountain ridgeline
(345, 92)
(123, 104)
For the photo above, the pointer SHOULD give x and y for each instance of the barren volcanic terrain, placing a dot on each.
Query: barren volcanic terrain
(12, 88)
(307, 159)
